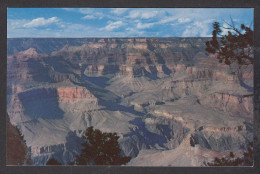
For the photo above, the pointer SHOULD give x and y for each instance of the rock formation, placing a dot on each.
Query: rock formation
(169, 101)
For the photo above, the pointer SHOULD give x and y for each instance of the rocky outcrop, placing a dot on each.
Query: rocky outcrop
(27, 65)
(30, 53)
(212, 74)
(44, 102)
(99, 70)
(63, 94)
(222, 140)
(15, 110)
(153, 133)
(70, 95)
(237, 105)
(128, 51)
(64, 153)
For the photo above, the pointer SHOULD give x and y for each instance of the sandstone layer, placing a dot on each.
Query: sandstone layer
(170, 102)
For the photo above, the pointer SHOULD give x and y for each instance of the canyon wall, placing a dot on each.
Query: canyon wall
(160, 95)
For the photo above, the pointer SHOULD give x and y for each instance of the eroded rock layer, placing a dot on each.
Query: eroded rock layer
(169, 101)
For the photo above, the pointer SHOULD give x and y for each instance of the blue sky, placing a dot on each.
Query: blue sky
(120, 22)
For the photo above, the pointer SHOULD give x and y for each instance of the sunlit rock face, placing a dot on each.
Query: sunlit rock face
(170, 102)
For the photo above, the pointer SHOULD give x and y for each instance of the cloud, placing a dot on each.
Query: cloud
(142, 14)
(16, 23)
(69, 9)
(91, 14)
(198, 29)
(38, 22)
(167, 19)
(89, 17)
(74, 30)
(86, 10)
(123, 22)
(113, 25)
(143, 26)
(184, 20)
(133, 32)
(119, 11)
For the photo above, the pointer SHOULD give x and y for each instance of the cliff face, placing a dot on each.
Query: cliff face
(131, 51)
(70, 95)
(159, 95)
(237, 105)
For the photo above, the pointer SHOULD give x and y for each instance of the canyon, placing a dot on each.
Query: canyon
(171, 103)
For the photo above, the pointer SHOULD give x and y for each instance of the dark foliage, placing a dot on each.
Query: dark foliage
(100, 149)
(17, 152)
(246, 160)
(53, 161)
(236, 46)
